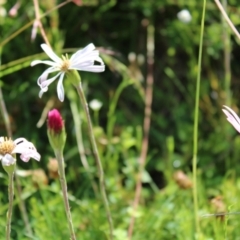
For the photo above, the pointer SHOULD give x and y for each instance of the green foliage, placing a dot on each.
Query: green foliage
(119, 27)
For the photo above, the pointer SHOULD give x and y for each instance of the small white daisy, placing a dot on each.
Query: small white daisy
(82, 60)
(9, 147)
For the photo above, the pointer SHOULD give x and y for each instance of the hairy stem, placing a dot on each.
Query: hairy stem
(97, 157)
(10, 206)
(62, 178)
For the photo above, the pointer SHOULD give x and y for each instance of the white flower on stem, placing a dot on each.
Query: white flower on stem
(8, 149)
(95, 105)
(82, 60)
(184, 16)
(232, 117)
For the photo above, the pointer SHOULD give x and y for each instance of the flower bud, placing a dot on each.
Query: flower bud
(9, 163)
(184, 16)
(56, 130)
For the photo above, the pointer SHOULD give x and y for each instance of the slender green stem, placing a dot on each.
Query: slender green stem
(97, 157)
(227, 57)
(7, 123)
(5, 114)
(195, 130)
(10, 207)
(79, 138)
(113, 104)
(62, 178)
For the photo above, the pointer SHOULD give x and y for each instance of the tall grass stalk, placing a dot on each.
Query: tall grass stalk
(227, 58)
(10, 206)
(146, 124)
(96, 156)
(78, 127)
(195, 129)
(62, 178)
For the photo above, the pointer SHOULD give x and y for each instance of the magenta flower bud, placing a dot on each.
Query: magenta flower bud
(55, 121)
(56, 130)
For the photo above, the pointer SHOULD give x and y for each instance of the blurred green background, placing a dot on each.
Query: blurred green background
(119, 29)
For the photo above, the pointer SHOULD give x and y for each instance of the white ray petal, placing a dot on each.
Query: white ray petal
(47, 82)
(50, 53)
(81, 53)
(47, 62)
(94, 68)
(60, 88)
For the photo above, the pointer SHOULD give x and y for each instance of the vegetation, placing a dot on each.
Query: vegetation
(139, 42)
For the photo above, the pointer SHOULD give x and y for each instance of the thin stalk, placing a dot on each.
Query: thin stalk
(38, 23)
(97, 157)
(5, 115)
(227, 71)
(10, 206)
(21, 204)
(227, 58)
(112, 107)
(146, 124)
(227, 18)
(195, 130)
(81, 149)
(8, 39)
(62, 178)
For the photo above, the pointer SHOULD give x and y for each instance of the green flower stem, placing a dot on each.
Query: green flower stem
(62, 178)
(10, 207)
(195, 130)
(21, 203)
(96, 156)
(81, 149)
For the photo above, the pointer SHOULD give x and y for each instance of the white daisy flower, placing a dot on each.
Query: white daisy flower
(8, 148)
(82, 60)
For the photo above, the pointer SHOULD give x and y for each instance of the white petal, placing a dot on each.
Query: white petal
(50, 63)
(233, 113)
(43, 77)
(1, 139)
(30, 154)
(90, 56)
(26, 149)
(50, 53)
(94, 68)
(42, 91)
(60, 88)
(45, 83)
(8, 160)
(20, 140)
(232, 118)
(79, 54)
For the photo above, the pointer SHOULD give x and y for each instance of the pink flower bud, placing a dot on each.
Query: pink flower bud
(55, 122)
(56, 130)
